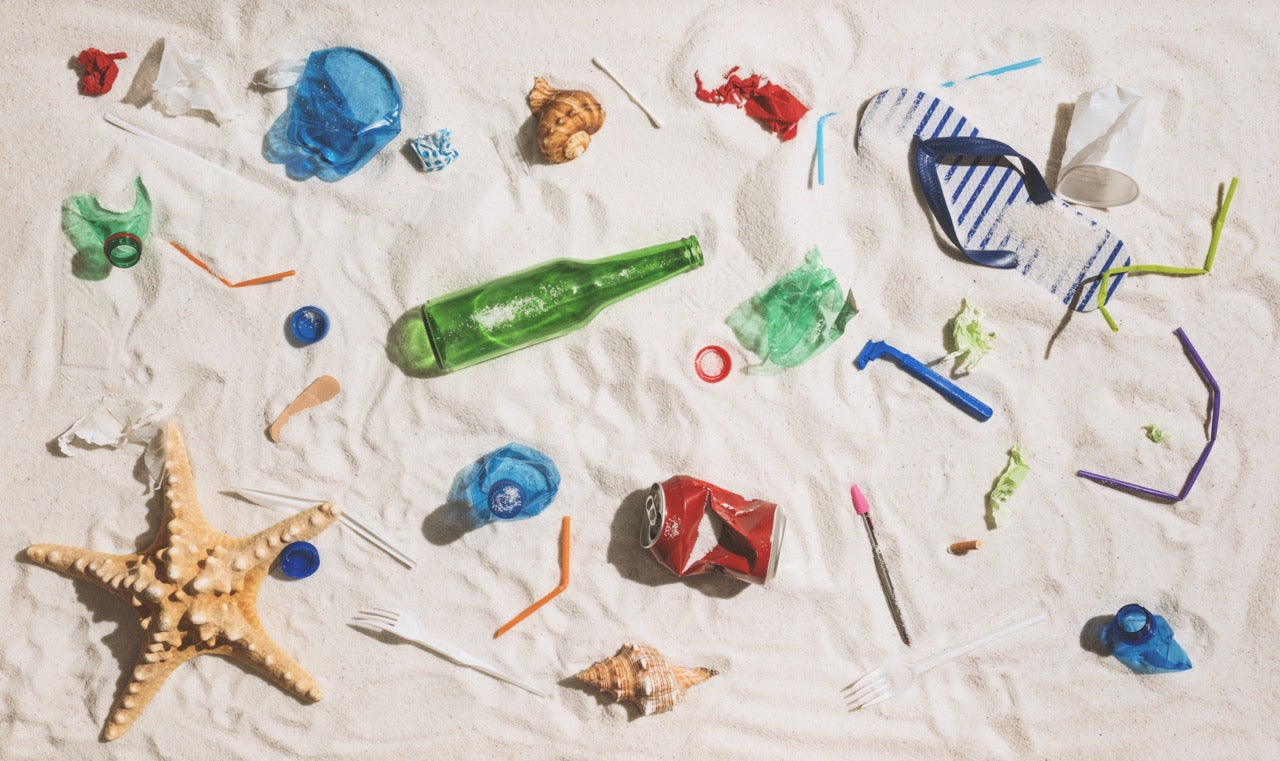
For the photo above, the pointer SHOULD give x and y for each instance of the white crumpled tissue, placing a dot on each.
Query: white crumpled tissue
(116, 422)
(182, 85)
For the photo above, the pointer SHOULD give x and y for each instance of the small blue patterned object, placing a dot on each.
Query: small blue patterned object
(435, 150)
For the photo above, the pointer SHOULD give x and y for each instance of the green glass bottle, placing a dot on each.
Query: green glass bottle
(543, 302)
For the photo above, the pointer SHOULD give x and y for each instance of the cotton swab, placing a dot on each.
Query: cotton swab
(140, 132)
(564, 582)
(273, 499)
(601, 65)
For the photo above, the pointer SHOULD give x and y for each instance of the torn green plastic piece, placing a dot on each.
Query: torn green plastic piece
(801, 314)
(969, 341)
(88, 225)
(1165, 269)
(1006, 484)
(1155, 433)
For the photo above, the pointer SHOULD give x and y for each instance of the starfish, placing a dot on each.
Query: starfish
(195, 591)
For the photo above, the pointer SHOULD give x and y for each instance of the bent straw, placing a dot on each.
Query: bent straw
(273, 499)
(226, 282)
(1216, 396)
(1164, 269)
(822, 171)
(564, 582)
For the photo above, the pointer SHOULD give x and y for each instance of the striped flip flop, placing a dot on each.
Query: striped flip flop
(985, 205)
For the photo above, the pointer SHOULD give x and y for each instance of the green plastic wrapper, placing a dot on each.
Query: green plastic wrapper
(1155, 433)
(801, 314)
(1006, 484)
(88, 226)
(969, 341)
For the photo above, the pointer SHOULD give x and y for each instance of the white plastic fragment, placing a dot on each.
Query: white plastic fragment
(182, 85)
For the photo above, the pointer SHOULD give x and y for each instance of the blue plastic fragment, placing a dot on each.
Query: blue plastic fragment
(309, 324)
(1144, 642)
(343, 110)
(299, 560)
(509, 483)
(435, 150)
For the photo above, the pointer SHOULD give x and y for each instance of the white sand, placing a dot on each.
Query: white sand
(618, 406)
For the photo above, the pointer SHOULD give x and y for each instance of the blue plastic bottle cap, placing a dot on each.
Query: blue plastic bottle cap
(309, 324)
(299, 560)
(506, 499)
(1134, 624)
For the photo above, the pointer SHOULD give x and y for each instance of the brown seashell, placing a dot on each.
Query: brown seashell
(641, 675)
(566, 120)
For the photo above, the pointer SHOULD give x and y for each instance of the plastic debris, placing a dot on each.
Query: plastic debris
(435, 150)
(971, 404)
(777, 108)
(281, 74)
(309, 324)
(969, 341)
(88, 225)
(600, 64)
(1144, 642)
(509, 483)
(996, 71)
(298, 560)
(797, 317)
(1006, 484)
(344, 108)
(182, 85)
(321, 390)
(1155, 433)
(226, 282)
(1215, 401)
(100, 70)
(821, 158)
(712, 363)
(562, 586)
(1163, 269)
(117, 421)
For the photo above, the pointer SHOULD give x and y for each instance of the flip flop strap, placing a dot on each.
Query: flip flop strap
(924, 157)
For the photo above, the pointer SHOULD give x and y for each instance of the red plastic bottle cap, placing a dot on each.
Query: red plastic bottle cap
(712, 364)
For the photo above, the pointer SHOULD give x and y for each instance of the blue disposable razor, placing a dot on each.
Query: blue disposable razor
(954, 394)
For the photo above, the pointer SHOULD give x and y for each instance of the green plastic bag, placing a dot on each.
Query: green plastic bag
(970, 342)
(801, 314)
(88, 225)
(1006, 484)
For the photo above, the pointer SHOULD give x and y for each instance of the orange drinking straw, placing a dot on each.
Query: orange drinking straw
(226, 282)
(564, 582)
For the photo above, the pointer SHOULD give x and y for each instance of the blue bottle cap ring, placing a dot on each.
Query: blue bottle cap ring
(299, 560)
(506, 499)
(1134, 624)
(122, 249)
(309, 324)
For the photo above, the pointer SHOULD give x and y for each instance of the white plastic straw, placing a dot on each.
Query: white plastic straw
(140, 132)
(357, 526)
(601, 64)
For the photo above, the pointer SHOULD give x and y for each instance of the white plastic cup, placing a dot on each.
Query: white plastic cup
(1102, 144)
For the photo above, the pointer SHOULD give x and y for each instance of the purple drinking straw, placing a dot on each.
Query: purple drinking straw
(1216, 396)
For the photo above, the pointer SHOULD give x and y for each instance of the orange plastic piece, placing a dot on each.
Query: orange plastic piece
(228, 283)
(564, 582)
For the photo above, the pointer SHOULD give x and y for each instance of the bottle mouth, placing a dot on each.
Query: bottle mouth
(1134, 624)
(695, 251)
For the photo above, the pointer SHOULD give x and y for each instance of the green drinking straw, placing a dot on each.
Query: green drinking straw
(1165, 269)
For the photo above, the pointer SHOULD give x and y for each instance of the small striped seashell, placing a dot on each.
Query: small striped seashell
(566, 120)
(641, 675)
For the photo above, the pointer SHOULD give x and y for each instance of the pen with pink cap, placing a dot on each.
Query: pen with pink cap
(863, 509)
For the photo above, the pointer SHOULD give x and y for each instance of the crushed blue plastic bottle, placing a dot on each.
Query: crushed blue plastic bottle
(344, 109)
(1144, 641)
(299, 560)
(509, 483)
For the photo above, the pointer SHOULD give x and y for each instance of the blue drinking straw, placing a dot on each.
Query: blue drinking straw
(822, 174)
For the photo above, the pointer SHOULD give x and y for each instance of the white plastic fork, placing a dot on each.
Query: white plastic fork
(889, 681)
(405, 625)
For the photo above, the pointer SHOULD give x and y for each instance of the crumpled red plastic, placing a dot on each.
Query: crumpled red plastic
(100, 70)
(769, 103)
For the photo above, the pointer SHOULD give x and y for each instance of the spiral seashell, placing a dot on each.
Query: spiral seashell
(566, 120)
(641, 675)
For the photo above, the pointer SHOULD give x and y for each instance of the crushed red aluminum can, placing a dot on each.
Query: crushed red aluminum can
(694, 527)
